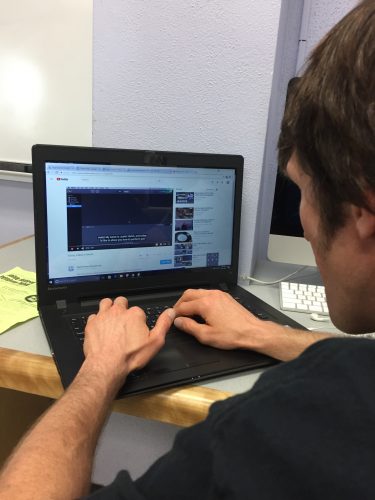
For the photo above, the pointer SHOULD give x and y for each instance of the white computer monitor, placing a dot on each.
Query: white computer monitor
(286, 242)
(291, 250)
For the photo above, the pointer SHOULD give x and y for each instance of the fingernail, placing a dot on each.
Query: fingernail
(178, 322)
(171, 313)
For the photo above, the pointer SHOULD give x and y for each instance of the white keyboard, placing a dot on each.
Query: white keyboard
(300, 297)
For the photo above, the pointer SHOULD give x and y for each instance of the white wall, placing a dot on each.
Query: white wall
(16, 210)
(45, 75)
(45, 91)
(191, 75)
(318, 18)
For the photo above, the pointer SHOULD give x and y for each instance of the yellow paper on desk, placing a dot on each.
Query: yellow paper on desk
(17, 297)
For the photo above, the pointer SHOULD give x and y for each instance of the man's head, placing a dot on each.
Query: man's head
(327, 146)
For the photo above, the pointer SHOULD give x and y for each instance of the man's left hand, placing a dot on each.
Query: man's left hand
(117, 339)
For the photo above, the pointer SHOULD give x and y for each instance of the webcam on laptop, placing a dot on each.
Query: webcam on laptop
(154, 158)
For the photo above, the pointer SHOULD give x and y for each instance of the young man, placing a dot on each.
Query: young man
(306, 430)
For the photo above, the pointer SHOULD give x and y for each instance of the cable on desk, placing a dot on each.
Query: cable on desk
(251, 278)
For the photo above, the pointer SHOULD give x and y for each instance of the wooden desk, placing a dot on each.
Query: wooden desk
(36, 374)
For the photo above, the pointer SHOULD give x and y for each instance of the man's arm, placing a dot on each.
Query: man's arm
(55, 458)
(228, 325)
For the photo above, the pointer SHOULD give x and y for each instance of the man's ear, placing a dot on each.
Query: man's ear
(365, 218)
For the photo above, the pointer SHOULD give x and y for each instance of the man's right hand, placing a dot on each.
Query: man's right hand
(228, 325)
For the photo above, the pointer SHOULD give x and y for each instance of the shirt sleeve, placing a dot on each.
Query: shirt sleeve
(123, 487)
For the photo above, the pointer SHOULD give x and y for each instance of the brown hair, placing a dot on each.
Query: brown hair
(329, 119)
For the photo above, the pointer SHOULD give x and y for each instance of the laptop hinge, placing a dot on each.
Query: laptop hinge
(61, 304)
(223, 287)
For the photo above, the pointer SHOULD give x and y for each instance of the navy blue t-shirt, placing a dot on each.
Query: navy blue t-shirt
(305, 431)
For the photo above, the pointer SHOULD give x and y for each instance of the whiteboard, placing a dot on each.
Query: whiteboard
(45, 75)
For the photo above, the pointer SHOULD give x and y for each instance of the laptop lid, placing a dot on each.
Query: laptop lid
(110, 221)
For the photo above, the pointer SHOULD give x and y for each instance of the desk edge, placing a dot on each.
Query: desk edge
(14, 242)
(37, 374)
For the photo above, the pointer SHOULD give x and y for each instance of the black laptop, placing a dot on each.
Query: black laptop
(146, 225)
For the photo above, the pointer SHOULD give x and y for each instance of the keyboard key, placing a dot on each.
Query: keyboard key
(302, 307)
(314, 308)
(290, 305)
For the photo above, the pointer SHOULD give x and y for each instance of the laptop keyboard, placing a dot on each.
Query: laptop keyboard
(152, 314)
(78, 323)
(259, 314)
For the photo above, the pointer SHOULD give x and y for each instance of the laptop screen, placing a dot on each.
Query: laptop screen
(109, 222)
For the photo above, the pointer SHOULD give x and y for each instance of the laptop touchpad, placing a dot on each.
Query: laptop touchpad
(173, 358)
